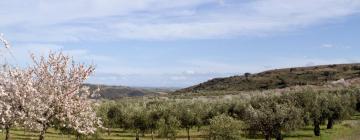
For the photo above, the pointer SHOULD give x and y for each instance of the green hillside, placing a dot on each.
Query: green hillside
(279, 78)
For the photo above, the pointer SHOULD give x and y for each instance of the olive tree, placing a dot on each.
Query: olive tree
(270, 115)
(111, 115)
(224, 127)
(338, 108)
(168, 123)
(187, 116)
(322, 106)
(135, 118)
(153, 116)
(215, 108)
(237, 109)
(200, 109)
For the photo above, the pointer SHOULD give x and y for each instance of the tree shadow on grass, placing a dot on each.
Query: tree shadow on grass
(124, 135)
(29, 136)
(285, 135)
(299, 136)
(54, 133)
(117, 131)
(24, 135)
(252, 136)
(23, 138)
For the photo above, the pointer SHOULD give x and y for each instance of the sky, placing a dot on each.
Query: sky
(168, 43)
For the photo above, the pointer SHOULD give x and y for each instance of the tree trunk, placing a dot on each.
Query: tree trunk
(267, 137)
(358, 106)
(7, 131)
(330, 123)
(42, 132)
(42, 135)
(152, 134)
(317, 128)
(188, 133)
(137, 135)
(278, 135)
(108, 131)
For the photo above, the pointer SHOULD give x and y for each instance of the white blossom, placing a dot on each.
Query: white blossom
(60, 94)
(50, 92)
(4, 41)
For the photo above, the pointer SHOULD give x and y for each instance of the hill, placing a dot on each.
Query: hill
(116, 92)
(279, 78)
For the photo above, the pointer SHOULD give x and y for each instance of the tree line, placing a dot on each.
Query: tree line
(268, 115)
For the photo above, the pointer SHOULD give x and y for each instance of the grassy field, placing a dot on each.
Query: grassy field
(346, 130)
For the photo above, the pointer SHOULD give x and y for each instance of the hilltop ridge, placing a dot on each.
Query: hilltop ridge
(279, 78)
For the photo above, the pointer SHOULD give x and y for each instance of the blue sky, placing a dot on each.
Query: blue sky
(162, 43)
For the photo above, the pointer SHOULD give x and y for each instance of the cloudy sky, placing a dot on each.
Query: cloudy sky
(179, 43)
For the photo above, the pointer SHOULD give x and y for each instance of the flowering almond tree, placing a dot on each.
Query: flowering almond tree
(15, 92)
(61, 99)
(14, 84)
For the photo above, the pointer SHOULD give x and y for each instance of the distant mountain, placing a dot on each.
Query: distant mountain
(279, 78)
(117, 92)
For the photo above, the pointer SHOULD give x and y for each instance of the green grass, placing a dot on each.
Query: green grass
(116, 134)
(19, 134)
(346, 130)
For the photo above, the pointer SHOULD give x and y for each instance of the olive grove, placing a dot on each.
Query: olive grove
(269, 115)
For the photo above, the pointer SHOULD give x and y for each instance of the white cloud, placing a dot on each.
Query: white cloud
(333, 46)
(54, 12)
(178, 78)
(189, 72)
(221, 2)
(77, 20)
(85, 55)
(327, 46)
